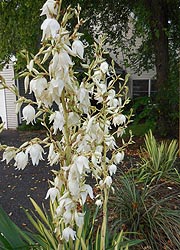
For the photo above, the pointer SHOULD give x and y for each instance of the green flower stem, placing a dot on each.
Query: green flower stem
(66, 130)
(105, 190)
(104, 222)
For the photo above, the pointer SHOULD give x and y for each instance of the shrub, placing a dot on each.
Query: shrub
(151, 211)
(145, 115)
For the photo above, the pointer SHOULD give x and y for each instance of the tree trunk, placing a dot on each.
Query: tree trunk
(158, 21)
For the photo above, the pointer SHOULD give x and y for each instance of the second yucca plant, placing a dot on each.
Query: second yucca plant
(158, 159)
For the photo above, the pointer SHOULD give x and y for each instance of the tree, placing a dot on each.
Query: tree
(19, 27)
(156, 22)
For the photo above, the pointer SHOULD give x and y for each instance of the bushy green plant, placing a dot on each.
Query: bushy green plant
(157, 159)
(149, 211)
(145, 115)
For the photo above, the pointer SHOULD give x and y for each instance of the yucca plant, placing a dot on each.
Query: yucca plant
(158, 159)
(151, 211)
(88, 236)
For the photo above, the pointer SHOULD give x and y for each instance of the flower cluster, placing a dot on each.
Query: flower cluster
(85, 115)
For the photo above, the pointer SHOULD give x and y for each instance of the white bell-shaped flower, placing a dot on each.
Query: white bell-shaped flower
(53, 157)
(46, 98)
(110, 142)
(28, 114)
(38, 86)
(78, 48)
(79, 218)
(112, 169)
(119, 119)
(64, 59)
(99, 203)
(68, 233)
(73, 181)
(86, 190)
(50, 8)
(104, 67)
(83, 96)
(56, 87)
(67, 216)
(82, 164)
(52, 193)
(35, 151)
(21, 160)
(119, 157)
(9, 154)
(58, 119)
(50, 28)
(108, 181)
(73, 186)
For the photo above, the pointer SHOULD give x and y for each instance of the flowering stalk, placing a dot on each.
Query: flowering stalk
(66, 130)
(85, 115)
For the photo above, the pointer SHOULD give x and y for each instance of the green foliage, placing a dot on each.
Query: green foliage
(140, 130)
(145, 115)
(88, 236)
(149, 211)
(168, 106)
(43, 224)
(158, 160)
(19, 26)
(30, 127)
(12, 237)
(144, 110)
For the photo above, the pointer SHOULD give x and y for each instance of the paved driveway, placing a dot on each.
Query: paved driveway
(16, 186)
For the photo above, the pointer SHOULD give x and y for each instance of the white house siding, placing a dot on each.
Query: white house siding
(145, 75)
(120, 59)
(3, 106)
(7, 105)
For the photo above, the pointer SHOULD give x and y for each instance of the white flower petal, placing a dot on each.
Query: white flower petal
(119, 157)
(58, 119)
(112, 169)
(108, 181)
(9, 154)
(28, 114)
(79, 218)
(67, 216)
(50, 8)
(21, 160)
(78, 48)
(50, 28)
(35, 152)
(99, 203)
(52, 193)
(119, 120)
(69, 233)
(104, 67)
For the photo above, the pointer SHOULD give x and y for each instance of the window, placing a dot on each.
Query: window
(144, 87)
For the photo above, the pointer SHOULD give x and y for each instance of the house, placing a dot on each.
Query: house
(8, 99)
(143, 84)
